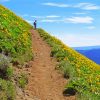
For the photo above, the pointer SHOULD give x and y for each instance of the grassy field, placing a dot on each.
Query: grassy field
(83, 74)
(15, 48)
(15, 36)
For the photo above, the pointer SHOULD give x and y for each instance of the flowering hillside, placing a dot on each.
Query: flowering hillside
(15, 37)
(83, 74)
(15, 48)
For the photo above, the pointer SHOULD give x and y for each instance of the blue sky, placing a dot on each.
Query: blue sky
(75, 22)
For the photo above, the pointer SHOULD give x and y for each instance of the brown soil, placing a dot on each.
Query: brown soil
(45, 83)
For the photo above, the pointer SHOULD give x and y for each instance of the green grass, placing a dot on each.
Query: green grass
(7, 90)
(23, 80)
(15, 36)
(84, 74)
(9, 72)
(15, 48)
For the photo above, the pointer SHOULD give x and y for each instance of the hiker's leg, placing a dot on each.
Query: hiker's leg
(34, 27)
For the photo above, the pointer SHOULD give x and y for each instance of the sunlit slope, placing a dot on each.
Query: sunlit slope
(15, 37)
(84, 74)
(15, 49)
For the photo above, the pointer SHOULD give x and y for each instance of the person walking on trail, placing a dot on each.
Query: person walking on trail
(35, 24)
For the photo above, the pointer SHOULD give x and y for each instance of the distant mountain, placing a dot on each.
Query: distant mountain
(92, 52)
(87, 47)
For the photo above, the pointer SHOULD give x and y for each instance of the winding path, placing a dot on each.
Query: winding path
(45, 83)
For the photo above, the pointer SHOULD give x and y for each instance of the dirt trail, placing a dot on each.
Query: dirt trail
(45, 83)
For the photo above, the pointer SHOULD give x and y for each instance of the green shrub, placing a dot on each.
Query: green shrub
(86, 95)
(6, 72)
(7, 90)
(9, 72)
(23, 80)
(11, 92)
(67, 69)
(4, 62)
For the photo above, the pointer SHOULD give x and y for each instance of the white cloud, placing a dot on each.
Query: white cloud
(74, 20)
(49, 16)
(56, 4)
(38, 17)
(84, 20)
(91, 27)
(58, 19)
(77, 40)
(87, 6)
(52, 16)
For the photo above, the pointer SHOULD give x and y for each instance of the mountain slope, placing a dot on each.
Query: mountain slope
(86, 47)
(84, 74)
(15, 37)
(15, 50)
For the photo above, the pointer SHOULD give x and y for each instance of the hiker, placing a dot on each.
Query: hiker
(35, 24)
